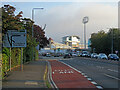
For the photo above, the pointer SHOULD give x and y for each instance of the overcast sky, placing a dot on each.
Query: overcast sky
(65, 18)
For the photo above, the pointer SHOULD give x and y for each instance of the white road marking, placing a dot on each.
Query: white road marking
(69, 72)
(63, 71)
(80, 72)
(113, 70)
(60, 72)
(50, 75)
(100, 67)
(71, 67)
(111, 76)
(83, 73)
(94, 83)
(89, 79)
(99, 87)
(85, 76)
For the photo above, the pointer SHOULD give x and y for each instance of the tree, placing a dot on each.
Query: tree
(10, 21)
(102, 42)
(114, 34)
(39, 34)
(99, 41)
(17, 22)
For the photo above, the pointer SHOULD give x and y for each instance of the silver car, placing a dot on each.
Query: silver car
(102, 56)
(94, 55)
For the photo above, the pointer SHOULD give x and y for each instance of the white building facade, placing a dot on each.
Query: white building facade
(73, 41)
(56, 45)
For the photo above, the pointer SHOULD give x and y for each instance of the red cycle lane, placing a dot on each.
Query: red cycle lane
(66, 77)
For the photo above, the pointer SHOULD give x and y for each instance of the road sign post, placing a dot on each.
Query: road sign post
(21, 59)
(10, 58)
(15, 38)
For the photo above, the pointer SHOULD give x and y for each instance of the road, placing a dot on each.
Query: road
(104, 72)
(64, 76)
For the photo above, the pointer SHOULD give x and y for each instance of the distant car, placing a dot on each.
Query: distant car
(48, 55)
(84, 54)
(44, 54)
(113, 57)
(89, 54)
(102, 56)
(74, 54)
(80, 54)
(56, 55)
(94, 55)
(67, 55)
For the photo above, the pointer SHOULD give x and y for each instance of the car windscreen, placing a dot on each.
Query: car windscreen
(114, 55)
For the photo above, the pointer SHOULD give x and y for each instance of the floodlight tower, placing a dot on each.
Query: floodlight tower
(85, 20)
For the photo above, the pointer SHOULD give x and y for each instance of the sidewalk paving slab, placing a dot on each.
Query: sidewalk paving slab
(31, 76)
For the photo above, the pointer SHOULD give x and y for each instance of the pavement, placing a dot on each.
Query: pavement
(64, 76)
(31, 77)
(51, 58)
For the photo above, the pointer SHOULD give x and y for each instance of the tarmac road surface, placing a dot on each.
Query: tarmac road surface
(104, 72)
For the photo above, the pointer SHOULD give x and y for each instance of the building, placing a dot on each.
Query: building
(72, 41)
(56, 45)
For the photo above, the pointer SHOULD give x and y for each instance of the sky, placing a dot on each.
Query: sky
(65, 18)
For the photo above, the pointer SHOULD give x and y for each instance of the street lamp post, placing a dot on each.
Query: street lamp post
(33, 18)
(85, 20)
(112, 42)
(33, 28)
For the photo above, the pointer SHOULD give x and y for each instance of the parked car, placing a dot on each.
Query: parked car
(67, 55)
(94, 55)
(56, 55)
(74, 54)
(113, 57)
(84, 53)
(80, 54)
(89, 54)
(102, 56)
(48, 55)
(44, 54)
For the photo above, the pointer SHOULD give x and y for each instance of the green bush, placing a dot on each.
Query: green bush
(36, 55)
(15, 56)
(15, 59)
(27, 54)
(5, 61)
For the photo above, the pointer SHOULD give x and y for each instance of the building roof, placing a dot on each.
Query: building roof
(72, 36)
(76, 36)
